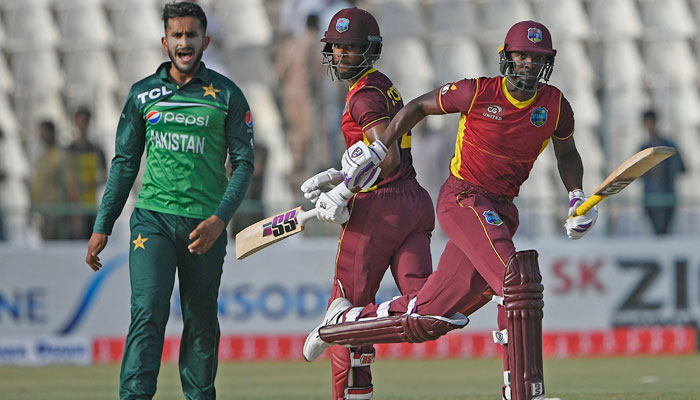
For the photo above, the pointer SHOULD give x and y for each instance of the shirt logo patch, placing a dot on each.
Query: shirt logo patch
(210, 91)
(444, 89)
(153, 117)
(248, 119)
(534, 35)
(492, 218)
(539, 116)
(342, 24)
(493, 112)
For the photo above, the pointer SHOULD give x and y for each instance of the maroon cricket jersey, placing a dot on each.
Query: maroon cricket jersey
(499, 137)
(371, 100)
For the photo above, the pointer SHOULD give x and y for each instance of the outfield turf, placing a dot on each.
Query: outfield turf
(638, 378)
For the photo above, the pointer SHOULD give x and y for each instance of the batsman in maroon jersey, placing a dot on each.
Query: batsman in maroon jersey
(387, 224)
(506, 122)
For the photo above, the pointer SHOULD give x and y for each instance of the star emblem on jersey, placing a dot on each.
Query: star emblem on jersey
(342, 24)
(534, 35)
(538, 116)
(210, 91)
(493, 218)
(139, 241)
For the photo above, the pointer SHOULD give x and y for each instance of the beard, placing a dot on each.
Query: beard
(185, 69)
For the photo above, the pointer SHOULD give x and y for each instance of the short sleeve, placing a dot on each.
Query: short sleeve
(457, 97)
(565, 124)
(369, 106)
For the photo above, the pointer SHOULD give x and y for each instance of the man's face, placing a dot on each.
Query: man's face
(185, 42)
(527, 67)
(345, 56)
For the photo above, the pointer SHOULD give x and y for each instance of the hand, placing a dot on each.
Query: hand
(576, 227)
(332, 206)
(361, 163)
(97, 243)
(321, 183)
(205, 234)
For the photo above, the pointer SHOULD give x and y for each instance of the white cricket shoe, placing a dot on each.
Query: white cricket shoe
(314, 346)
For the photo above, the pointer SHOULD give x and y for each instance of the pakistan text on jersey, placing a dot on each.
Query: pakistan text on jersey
(177, 142)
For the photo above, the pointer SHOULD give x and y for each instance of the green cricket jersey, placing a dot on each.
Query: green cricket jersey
(186, 132)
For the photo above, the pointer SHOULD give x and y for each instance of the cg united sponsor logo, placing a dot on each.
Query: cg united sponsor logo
(538, 116)
(493, 112)
(153, 117)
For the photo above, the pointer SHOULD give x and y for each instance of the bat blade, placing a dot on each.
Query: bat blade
(270, 231)
(626, 173)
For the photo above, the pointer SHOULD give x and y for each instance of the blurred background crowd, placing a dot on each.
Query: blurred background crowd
(630, 69)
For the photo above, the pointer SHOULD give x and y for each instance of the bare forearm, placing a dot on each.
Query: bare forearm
(571, 170)
(408, 117)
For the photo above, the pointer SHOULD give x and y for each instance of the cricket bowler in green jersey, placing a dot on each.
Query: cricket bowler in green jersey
(188, 119)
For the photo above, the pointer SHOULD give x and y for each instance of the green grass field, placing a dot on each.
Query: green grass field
(638, 378)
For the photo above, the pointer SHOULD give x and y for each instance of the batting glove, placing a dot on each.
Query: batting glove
(332, 206)
(576, 227)
(321, 183)
(361, 163)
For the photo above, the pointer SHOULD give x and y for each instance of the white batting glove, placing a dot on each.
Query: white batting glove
(332, 206)
(321, 183)
(361, 163)
(576, 227)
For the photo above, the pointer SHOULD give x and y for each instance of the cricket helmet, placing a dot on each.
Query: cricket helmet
(527, 37)
(352, 26)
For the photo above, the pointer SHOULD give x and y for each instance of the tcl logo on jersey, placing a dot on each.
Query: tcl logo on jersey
(154, 117)
(154, 94)
(493, 112)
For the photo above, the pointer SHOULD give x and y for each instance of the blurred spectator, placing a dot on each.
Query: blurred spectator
(660, 182)
(86, 172)
(299, 72)
(2, 181)
(48, 185)
(252, 209)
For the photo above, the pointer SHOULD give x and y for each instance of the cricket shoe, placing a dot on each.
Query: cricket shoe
(314, 346)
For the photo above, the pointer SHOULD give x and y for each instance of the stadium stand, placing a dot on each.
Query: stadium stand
(615, 59)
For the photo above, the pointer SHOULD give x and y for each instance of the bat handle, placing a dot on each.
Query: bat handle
(305, 216)
(588, 204)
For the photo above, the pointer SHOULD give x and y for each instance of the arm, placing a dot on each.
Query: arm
(569, 163)
(410, 115)
(393, 158)
(239, 139)
(130, 142)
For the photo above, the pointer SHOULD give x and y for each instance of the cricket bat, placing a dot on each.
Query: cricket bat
(271, 230)
(626, 173)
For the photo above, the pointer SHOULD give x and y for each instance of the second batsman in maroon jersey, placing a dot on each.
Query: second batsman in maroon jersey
(388, 224)
(506, 122)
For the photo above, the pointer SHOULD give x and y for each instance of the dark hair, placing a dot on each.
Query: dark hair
(649, 114)
(49, 126)
(184, 9)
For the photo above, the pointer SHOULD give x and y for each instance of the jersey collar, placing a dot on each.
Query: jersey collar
(202, 73)
(513, 100)
(369, 71)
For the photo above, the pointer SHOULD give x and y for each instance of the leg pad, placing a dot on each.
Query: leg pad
(411, 328)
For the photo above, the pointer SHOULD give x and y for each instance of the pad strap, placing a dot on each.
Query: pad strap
(359, 393)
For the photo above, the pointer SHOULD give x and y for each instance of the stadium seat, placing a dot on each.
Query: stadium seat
(250, 63)
(615, 19)
(83, 22)
(135, 63)
(89, 69)
(36, 71)
(616, 74)
(495, 23)
(565, 19)
(7, 82)
(267, 123)
(454, 17)
(135, 20)
(30, 23)
(572, 66)
(456, 57)
(406, 62)
(671, 19)
(399, 18)
(661, 72)
(243, 23)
